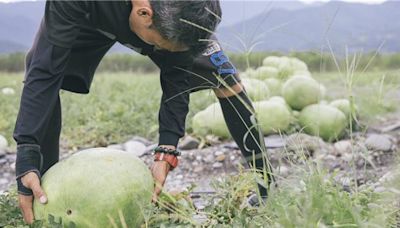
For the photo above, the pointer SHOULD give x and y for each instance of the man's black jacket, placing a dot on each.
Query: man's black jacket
(86, 25)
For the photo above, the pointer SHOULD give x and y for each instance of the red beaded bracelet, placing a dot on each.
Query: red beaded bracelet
(170, 158)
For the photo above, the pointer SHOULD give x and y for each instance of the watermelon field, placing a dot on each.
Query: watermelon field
(340, 173)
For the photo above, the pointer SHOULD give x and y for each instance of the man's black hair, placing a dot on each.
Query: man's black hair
(186, 22)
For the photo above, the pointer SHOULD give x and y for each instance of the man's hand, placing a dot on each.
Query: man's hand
(31, 181)
(160, 171)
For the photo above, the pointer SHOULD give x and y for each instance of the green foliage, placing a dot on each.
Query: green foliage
(10, 216)
(124, 104)
(14, 62)
(119, 105)
(313, 200)
(374, 93)
(9, 103)
(308, 199)
(126, 62)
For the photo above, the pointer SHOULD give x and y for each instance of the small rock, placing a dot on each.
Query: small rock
(198, 169)
(150, 148)
(189, 143)
(12, 166)
(179, 177)
(231, 145)
(376, 154)
(342, 147)
(221, 158)
(379, 142)
(218, 153)
(200, 218)
(212, 139)
(135, 147)
(116, 146)
(389, 176)
(346, 181)
(3, 145)
(209, 158)
(348, 157)
(232, 157)
(329, 157)
(142, 140)
(335, 166)
(8, 91)
(283, 171)
(3, 181)
(217, 165)
(380, 189)
(392, 127)
(195, 163)
(274, 141)
(199, 158)
(307, 144)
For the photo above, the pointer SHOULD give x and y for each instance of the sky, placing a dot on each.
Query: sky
(305, 1)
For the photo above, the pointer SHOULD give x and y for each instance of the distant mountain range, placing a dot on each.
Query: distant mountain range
(258, 26)
(341, 25)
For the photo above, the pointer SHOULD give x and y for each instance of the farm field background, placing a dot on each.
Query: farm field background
(124, 104)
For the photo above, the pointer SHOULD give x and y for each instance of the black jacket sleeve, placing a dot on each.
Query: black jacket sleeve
(175, 98)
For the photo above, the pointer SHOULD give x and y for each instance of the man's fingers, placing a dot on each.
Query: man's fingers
(31, 180)
(25, 204)
(38, 192)
(154, 198)
(160, 171)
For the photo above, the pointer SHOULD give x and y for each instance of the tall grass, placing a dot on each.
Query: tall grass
(119, 105)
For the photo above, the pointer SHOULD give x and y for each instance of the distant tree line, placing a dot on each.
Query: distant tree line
(15, 62)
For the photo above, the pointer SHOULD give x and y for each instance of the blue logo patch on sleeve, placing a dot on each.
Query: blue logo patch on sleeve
(221, 61)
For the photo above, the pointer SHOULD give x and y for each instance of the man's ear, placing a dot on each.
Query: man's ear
(146, 15)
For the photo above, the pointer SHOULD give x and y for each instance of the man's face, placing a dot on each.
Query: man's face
(141, 21)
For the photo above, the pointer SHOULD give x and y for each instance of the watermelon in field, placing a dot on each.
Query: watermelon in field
(286, 66)
(257, 90)
(265, 72)
(97, 188)
(273, 116)
(272, 61)
(300, 91)
(247, 73)
(274, 86)
(298, 65)
(324, 121)
(344, 106)
(278, 99)
(210, 121)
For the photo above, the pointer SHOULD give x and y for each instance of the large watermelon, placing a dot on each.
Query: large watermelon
(273, 116)
(96, 188)
(300, 91)
(323, 120)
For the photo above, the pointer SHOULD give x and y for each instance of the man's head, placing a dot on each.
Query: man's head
(175, 25)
